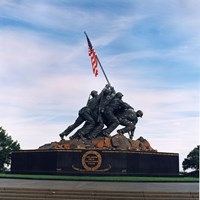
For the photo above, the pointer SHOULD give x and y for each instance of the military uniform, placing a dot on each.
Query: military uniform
(111, 109)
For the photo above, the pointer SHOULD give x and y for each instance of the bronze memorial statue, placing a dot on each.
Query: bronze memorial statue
(106, 108)
(102, 114)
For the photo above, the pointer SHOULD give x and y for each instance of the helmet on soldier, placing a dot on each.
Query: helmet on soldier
(119, 94)
(106, 91)
(139, 113)
(94, 93)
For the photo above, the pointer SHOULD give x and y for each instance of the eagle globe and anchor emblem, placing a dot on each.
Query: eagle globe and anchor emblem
(91, 161)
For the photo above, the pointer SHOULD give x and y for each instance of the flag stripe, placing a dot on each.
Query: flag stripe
(93, 56)
(94, 61)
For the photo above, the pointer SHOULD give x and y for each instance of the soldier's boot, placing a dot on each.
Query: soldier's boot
(124, 130)
(96, 131)
(81, 135)
(63, 134)
(111, 128)
(120, 131)
(131, 134)
(106, 133)
(66, 132)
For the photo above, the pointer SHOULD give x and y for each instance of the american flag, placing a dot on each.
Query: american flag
(93, 56)
(94, 61)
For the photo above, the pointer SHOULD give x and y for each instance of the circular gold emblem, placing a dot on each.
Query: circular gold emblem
(91, 160)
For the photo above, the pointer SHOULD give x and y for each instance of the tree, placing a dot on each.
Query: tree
(192, 160)
(7, 145)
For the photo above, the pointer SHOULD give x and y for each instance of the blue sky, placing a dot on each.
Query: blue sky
(149, 51)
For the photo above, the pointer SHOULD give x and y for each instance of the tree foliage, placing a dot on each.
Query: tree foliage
(7, 145)
(192, 160)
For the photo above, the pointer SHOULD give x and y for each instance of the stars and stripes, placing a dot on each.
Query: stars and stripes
(94, 60)
(93, 56)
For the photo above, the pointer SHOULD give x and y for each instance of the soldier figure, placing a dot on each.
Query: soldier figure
(85, 114)
(129, 119)
(91, 115)
(112, 107)
(105, 96)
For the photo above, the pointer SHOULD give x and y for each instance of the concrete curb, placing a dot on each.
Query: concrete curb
(56, 194)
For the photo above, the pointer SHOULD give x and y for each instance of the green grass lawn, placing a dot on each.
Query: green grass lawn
(101, 178)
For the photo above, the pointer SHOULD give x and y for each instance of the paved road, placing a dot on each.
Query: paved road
(100, 185)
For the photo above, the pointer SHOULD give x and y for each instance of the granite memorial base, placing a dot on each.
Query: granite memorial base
(95, 162)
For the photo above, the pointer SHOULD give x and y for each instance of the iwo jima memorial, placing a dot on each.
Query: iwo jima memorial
(92, 150)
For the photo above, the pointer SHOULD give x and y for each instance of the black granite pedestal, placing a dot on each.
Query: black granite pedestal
(95, 162)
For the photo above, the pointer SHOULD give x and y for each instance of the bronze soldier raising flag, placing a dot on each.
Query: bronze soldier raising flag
(104, 109)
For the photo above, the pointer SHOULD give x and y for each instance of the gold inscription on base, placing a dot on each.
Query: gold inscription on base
(91, 160)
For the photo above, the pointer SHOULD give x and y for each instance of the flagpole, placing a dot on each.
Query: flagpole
(103, 70)
(90, 46)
